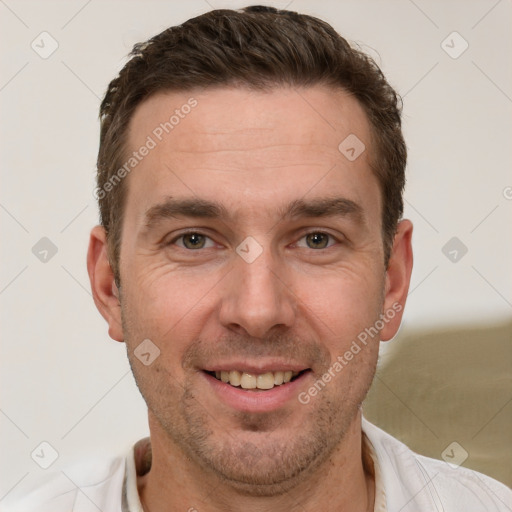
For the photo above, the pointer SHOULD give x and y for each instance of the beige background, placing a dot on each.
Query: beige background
(445, 386)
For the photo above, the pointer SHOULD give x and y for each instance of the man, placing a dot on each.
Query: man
(251, 256)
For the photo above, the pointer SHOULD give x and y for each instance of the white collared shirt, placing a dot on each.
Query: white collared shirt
(404, 482)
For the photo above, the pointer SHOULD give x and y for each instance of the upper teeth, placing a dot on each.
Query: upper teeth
(253, 381)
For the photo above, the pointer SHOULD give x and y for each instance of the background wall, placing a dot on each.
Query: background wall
(63, 381)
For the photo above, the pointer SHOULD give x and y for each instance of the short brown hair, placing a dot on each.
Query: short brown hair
(256, 47)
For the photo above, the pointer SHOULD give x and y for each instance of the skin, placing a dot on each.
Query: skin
(300, 301)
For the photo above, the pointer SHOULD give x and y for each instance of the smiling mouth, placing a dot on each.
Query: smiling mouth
(253, 381)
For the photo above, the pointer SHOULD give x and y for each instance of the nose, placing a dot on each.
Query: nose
(255, 297)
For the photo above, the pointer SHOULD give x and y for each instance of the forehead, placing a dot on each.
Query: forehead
(249, 149)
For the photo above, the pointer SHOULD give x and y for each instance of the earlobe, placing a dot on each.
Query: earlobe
(398, 278)
(104, 290)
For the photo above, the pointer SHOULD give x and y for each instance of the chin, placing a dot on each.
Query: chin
(268, 470)
(269, 462)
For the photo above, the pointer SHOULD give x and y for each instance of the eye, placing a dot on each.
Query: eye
(317, 240)
(192, 241)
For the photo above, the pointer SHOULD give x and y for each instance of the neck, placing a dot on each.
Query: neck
(345, 481)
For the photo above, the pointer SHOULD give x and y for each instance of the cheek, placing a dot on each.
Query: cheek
(344, 303)
(165, 305)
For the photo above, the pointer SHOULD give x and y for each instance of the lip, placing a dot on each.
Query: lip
(258, 369)
(256, 401)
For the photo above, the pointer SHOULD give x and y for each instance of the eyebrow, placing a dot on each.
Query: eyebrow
(173, 208)
(323, 207)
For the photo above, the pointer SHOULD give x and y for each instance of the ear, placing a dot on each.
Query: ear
(104, 289)
(398, 278)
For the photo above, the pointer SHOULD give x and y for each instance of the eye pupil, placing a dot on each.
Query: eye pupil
(318, 240)
(193, 240)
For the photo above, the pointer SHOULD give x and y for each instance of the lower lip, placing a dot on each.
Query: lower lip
(248, 400)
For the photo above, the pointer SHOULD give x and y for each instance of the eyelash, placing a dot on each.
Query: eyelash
(314, 232)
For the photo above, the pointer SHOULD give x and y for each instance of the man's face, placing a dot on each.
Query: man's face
(250, 284)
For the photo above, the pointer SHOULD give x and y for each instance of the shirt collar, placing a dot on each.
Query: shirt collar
(138, 463)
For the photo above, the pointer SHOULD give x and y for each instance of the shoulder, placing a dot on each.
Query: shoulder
(413, 482)
(459, 488)
(91, 485)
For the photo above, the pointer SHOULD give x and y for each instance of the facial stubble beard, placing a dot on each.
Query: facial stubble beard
(268, 464)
